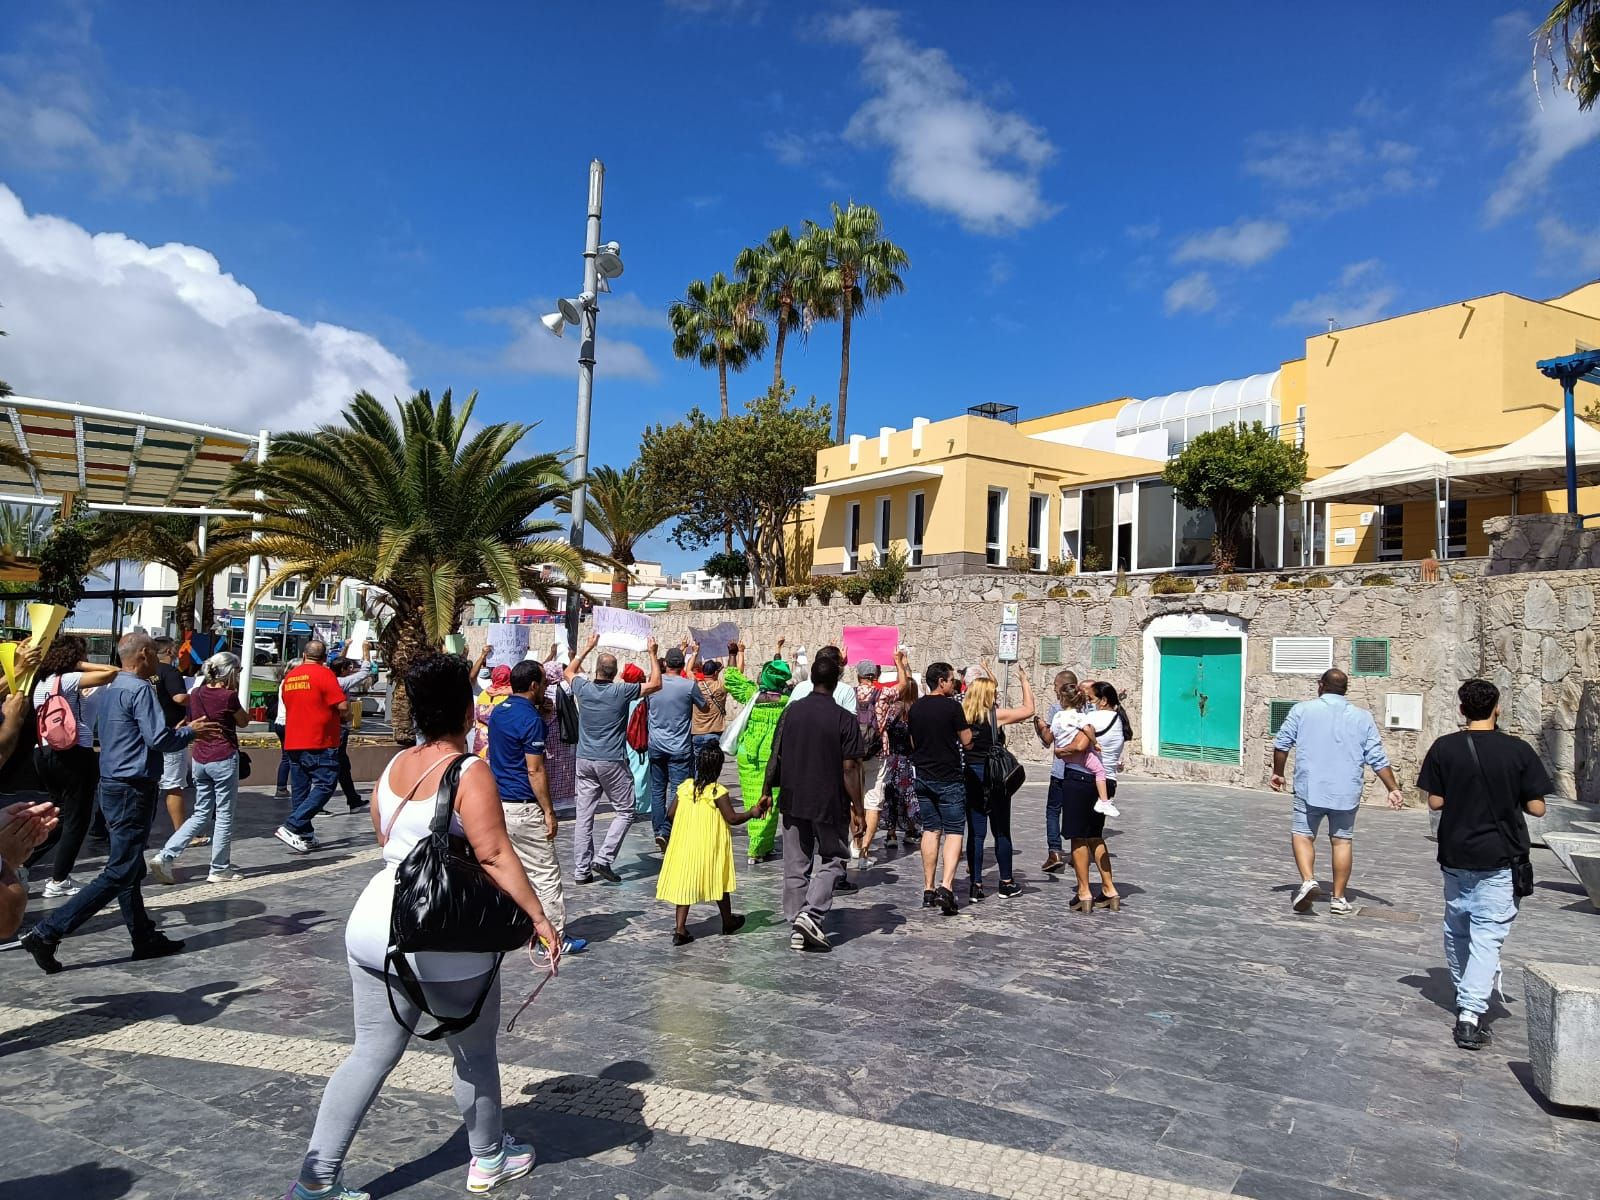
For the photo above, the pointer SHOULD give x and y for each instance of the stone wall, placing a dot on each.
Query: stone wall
(1540, 542)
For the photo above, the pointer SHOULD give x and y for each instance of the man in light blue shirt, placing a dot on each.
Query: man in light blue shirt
(1333, 741)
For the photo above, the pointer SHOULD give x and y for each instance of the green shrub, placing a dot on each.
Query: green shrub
(856, 589)
(888, 575)
(782, 595)
(1019, 595)
(1121, 588)
(1287, 585)
(1232, 583)
(1172, 585)
(1318, 581)
(1063, 566)
(800, 591)
(1057, 593)
(1378, 580)
(1082, 594)
(824, 586)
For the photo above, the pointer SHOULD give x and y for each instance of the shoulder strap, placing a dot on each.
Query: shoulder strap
(1488, 795)
(445, 798)
(411, 795)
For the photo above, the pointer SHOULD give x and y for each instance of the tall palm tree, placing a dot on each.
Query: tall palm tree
(779, 271)
(411, 505)
(716, 325)
(623, 510)
(854, 265)
(167, 539)
(1575, 25)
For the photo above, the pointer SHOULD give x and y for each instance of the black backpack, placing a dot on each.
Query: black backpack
(566, 716)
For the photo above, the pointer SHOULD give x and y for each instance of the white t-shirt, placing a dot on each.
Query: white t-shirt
(366, 935)
(1064, 722)
(1107, 727)
(71, 688)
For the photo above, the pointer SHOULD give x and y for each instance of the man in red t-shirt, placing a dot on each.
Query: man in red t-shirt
(313, 706)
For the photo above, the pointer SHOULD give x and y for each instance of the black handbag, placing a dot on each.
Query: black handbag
(1002, 773)
(1521, 864)
(244, 765)
(444, 902)
(566, 716)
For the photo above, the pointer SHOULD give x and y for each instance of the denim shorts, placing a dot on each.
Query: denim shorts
(1308, 819)
(943, 806)
(175, 770)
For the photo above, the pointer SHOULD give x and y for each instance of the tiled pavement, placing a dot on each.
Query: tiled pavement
(1204, 1040)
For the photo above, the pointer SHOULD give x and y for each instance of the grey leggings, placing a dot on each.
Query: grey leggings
(380, 1042)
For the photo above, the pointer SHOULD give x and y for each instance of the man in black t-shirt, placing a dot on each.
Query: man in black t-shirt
(939, 733)
(173, 695)
(1481, 781)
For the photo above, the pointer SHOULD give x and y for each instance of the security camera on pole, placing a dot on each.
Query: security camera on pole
(600, 265)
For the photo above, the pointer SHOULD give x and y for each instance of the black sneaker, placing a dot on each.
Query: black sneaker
(156, 946)
(355, 810)
(811, 933)
(605, 872)
(928, 900)
(975, 892)
(661, 843)
(946, 900)
(843, 884)
(1470, 1035)
(44, 953)
(582, 879)
(1009, 888)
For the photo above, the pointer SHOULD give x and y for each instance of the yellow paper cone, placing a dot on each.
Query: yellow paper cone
(8, 660)
(45, 621)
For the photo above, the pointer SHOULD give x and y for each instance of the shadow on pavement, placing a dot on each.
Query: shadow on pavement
(188, 1007)
(86, 1181)
(249, 929)
(1435, 985)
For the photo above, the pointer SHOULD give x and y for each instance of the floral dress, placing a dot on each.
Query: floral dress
(560, 758)
(899, 808)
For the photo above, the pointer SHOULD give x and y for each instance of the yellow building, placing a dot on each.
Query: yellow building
(984, 490)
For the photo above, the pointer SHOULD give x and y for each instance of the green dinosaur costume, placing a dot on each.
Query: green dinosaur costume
(755, 744)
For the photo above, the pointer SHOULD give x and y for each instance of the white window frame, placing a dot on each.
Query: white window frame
(1381, 553)
(881, 531)
(1038, 552)
(916, 505)
(994, 553)
(852, 536)
(326, 592)
(286, 590)
(242, 591)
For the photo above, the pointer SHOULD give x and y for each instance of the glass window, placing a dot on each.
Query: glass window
(914, 526)
(1294, 534)
(885, 510)
(1124, 526)
(1099, 517)
(852, 535)
(1198, 425)
(1038, 518)
(994, 537)
(1267, 545)
(289, 589)
(238, 586)
(1251, 413)
(1455, 529)
(1175, 435)
(1391, 532)
(1155, 526)
(326, 592)
(1195, 527)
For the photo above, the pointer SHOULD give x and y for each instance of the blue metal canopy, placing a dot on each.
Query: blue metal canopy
(1569, 371)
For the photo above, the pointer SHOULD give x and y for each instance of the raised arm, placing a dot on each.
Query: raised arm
(576, 664)
(1012, 716)
(652, 685)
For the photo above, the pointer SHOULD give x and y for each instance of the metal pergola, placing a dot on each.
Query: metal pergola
(108, 460)
(1569, 372)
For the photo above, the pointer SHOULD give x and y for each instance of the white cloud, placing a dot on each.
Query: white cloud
(56, 115)
(1242, 244)
(948, 149)
(1340, 168)
(1192, 293)
(1568, 250)
(1361, 294)
(1001, 271)
(533, 350)
(1147, 232)
(793, 149)
(103, 319)
(1551, 128)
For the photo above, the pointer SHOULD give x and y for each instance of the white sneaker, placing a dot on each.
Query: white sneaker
(64, 887)
(1340, 907)
(292, 840)
(161, 868)
(1107, 809)
(1305, 895)
(228, 876)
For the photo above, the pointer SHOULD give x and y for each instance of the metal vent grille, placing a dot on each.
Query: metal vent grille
(1369, 656)
(1191, 753)
(1277, 714)
(1103, 653)
(1301, 655)
(1049, 652)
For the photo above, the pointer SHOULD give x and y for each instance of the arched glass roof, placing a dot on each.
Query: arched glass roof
(1224, 400)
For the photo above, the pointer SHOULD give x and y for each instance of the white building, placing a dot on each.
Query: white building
(285, 615)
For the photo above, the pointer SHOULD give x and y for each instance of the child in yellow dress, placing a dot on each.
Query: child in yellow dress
(698, 865)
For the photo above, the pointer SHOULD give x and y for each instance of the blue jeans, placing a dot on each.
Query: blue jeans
(129, 807)
(1052, 815)
(667, 771)
(313, 776)
(216, 784)
(1479, 907)
(283, 760)
(943, 806)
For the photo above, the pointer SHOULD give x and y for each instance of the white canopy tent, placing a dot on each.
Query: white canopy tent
(1406, 468)
(1535, 462)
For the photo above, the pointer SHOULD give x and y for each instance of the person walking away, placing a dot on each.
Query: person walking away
(707, 724)
(866, 709)
(601, 768)
(133, 737)
(1064, 713)
(891, 799)
(698, 864)
(1481, 781)
(939, 735)
(990, 807)
(173, 693)
(315, 707)
(216, 772)
(1332, 740)
(813, 772)
(281, 792)
(355, 677)
(518, 733)
(670, 752)
(70, 774)
(402, 806)
(765, 698)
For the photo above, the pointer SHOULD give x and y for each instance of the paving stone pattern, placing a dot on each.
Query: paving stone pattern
(1203, 1041)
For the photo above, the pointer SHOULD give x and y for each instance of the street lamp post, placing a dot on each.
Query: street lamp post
(600, 264)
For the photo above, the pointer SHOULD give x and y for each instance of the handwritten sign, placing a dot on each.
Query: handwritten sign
(508, 644)
(621, 629)
(713, 642)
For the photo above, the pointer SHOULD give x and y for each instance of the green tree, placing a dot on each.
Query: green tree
(1230, 471)
(716, 325)
(731, 568)
(623, 510)
(1573, 27)
(409, 504)
(64, 562)
(779, 271)
(164, 538)
(748, 473)
(854, 265)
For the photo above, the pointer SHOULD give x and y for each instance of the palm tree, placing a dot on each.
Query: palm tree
(778, 270)
(22, 531)
(853, 265)
(623, 510)
(407, 503)
(1575, 24)
(167, 539)
(715, 324)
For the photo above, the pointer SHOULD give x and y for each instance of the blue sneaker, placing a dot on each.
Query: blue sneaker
(335, 1191)
(513, 1162)
(569, 945)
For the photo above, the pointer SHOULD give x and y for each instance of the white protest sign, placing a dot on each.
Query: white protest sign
(360, 634)
(621, 629)
(713, 642)
(507, 643)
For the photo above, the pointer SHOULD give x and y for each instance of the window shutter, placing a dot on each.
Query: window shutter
(1301, 655)
(1369, 656)
(1049, 652)
(1103, 653)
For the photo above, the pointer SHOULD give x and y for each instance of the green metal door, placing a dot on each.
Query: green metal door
(1200, 699)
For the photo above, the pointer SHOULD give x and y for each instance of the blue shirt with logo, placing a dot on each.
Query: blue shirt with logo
(516, 730)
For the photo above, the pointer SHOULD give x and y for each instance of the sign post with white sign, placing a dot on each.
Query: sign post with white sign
(1007, 650)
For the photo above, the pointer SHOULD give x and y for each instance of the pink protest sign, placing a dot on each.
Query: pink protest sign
(874, 643)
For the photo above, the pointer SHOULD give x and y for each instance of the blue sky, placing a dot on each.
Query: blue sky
(388, 195)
